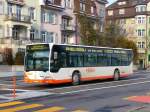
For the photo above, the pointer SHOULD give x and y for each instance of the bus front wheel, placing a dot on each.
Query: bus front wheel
(116, 75)
(75, 79)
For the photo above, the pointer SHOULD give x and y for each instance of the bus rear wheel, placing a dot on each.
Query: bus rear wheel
(116, 75)
(75, 79)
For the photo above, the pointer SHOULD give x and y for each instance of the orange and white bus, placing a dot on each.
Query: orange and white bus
(61, 63)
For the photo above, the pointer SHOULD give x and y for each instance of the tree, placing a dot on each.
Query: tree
(113, 36)
(19, 58)
(128, 44)
(88, 34)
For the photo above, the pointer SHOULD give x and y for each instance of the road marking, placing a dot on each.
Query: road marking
(141, 99)
(10, 104)
(51, 109)
(21, 90)
(15, 109)
(126, 98)
(137, 109)
(148, 93)
(93, 89)
(80, 111)
(93, 84)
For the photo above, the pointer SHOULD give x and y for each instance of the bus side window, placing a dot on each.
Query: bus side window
(115, 61)
(62, 58)
(104, 60)
(100, 59)
(55, 55)
(124, 59)
(108, 59)
(80, 60)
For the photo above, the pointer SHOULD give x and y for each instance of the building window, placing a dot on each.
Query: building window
(15, 33)
(141, 44)
(110, 12)
(32, 13)
(18, 12)
(65, 39)
(49, 1)
(102, 12)
(121, 11)
(66, 22)
(93, 10)
(43, 35)
(50, 37)
(32, 34)
(1, 7)
(51, 18)
(43, 17)
(137, 9)
(141, 20)
(141, 32)
(10, 9)
(122, 21)
(141, 8)
(68, 3)
(82, 7)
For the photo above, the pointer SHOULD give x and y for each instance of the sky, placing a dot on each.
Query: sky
(111, 1)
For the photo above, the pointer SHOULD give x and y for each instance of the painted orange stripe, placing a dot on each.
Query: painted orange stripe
(97, 77)
(27, 80)
(47, 81)
(102, 77)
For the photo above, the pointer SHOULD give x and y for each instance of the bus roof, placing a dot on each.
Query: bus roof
(80, 46)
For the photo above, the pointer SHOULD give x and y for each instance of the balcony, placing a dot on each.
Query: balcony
(18, 42)
(17, 2)
(14, 17)
(141, 51)
(53, 6)
(68, 28)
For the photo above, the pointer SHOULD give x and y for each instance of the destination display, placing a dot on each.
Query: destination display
(38, 47)
(82, 49)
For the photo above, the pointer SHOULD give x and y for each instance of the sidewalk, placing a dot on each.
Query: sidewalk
(9, 71)
(10, 74)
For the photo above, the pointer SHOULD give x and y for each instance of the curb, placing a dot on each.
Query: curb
(136, 109)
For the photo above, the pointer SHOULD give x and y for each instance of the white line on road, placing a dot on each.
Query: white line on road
(93, 89)
(96, 84)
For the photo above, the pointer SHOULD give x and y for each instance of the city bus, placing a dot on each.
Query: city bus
(63, 63)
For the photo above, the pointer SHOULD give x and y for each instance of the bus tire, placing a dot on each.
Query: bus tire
(116, 75)
(76, 78)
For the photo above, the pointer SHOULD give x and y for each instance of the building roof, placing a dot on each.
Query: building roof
(102, 1)
(129, 3)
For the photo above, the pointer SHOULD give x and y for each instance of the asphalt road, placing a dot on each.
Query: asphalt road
(94, 96)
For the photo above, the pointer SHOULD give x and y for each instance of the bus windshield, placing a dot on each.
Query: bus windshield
(37, 60)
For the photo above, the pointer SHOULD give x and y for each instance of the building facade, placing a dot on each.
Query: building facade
(134, 18)
(48, 21)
